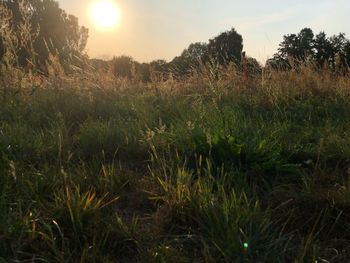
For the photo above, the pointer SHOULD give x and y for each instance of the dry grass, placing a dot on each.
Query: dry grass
(220, 166)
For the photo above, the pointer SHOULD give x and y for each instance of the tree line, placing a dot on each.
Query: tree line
(220, 51)
(321, 50)
(35, 32)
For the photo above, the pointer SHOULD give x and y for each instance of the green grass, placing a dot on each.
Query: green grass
(232, 171)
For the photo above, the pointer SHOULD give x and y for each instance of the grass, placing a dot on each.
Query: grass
(233, 169)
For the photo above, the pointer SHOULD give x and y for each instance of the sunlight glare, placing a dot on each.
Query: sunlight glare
(105, 14)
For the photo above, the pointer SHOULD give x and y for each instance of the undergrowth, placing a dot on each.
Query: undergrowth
(199, 170)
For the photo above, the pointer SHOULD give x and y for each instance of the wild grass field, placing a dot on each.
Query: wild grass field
(230, 168)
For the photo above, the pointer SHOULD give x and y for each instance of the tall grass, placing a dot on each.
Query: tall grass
(220, 166)
(236, 168)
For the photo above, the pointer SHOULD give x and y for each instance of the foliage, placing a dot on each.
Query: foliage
(40, 31)
(122, 66)
(192, 58)
(230, 164)
(234, 169)
(226, 47)
(220, 51)
(320, 50)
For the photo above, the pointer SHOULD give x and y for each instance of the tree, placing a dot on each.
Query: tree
(226, 47)
(298, 47)
(278, 62)
(222, 50)
(122, 67)
(323, 48)
(57, 34)
(190, 59)
(305, 46)
(194, 53)
(289, 46)
(159, 65)
(346, 51)
(143, 71)
(250, 66)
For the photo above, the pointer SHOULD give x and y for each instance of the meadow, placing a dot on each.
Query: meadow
(224, 167)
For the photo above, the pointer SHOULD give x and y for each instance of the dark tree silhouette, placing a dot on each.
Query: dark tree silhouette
(226, 47)
(190, 59)
(159, 65)
(195, 51)
(319, 49)
(347, 54)
(298, 47)
(58, 34)
(323, 47)
(250, 66)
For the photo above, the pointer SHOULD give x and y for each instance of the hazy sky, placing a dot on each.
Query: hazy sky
(161, 29)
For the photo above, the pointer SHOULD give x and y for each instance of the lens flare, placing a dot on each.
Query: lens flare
(105, 14)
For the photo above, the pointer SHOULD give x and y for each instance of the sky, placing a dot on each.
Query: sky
(162, 29)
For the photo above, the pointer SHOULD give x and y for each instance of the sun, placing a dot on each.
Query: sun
(105, 14)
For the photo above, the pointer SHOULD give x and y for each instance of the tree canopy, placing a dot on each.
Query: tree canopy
(35, 32)
(191, 58)
(42, 29)
(226, 47)
(320, 49)
(221, 50)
